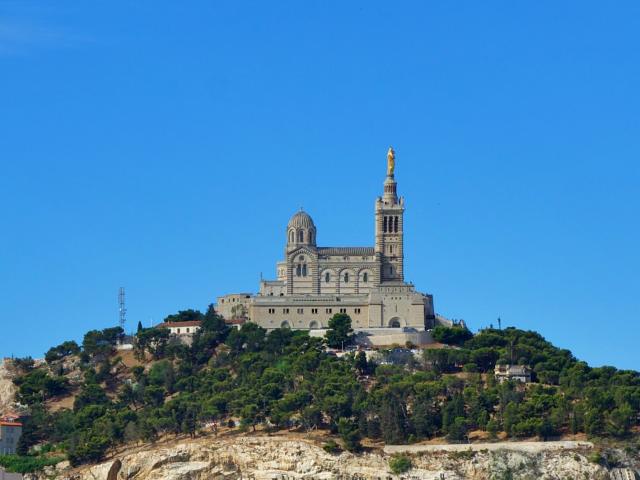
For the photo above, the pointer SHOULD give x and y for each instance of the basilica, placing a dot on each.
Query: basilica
(313, 283)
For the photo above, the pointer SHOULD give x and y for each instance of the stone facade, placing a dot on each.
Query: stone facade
(313, 283)
(9, 436)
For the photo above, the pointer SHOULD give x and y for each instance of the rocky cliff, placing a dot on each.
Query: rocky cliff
(7, 388)
(262, 457)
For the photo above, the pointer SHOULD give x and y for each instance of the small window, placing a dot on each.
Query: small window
(327, 277)
(365, 277)
(328, 310)
(304, 269)
(384, 224)
(178, 330)
(300, 311)
(314, 310)
(298, 270)
(285, 310)
(357, 310)
(343, 310)
(301, 236)
(187, 330)
(346, 277)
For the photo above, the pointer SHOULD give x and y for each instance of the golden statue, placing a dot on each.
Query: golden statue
(391, 162)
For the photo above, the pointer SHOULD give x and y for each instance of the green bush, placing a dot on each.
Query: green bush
(596, 457)
(400, 464)
(331, 447)
(455, 335)
(27, 463)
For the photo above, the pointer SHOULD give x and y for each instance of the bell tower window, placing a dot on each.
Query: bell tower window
(327, 277)
(365, 277)
(301, 236)
(346, 277)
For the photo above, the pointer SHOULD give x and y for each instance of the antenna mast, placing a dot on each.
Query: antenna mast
(122, 310)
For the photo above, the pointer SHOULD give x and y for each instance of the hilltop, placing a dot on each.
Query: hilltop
(90, 401)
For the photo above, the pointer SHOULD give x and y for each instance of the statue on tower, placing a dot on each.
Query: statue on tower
(391, 162)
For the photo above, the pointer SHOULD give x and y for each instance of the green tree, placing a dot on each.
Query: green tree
(457, 431)
(91, 394)
(154, 340)
(361, 364)
(189, 315)
(400, 464)
(455, 335)
(349, 434)
(249, 337)
(340, 333)
(61, 351)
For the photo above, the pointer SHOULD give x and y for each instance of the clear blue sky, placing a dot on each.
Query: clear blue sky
(162, 146)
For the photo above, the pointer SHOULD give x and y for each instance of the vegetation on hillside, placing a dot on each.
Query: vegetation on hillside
(248, 378)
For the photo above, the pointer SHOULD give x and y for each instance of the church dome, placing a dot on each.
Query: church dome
(301, 230)
(301, 219)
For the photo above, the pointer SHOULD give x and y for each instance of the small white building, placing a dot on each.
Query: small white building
(9, 435)
(520, 373)
(182, 328)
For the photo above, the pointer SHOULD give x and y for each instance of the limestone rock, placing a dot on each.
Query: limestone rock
(284, 458)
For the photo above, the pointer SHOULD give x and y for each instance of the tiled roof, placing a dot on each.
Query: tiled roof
(10, 424)
(192, 323)
(235, 321)
(346, 251)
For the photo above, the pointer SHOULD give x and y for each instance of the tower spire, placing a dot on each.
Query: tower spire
(390, 195)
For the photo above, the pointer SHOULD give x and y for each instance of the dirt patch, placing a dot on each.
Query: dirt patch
(61, 403)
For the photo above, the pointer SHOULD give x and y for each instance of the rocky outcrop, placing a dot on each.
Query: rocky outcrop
(282, 458)
(7, 388)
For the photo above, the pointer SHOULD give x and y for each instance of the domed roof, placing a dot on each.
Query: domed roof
(301, 219)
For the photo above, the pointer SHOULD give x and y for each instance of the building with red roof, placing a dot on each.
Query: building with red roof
(9, 435)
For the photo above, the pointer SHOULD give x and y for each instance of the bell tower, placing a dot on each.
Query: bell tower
(389, 247)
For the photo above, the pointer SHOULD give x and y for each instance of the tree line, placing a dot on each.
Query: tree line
(249, 378)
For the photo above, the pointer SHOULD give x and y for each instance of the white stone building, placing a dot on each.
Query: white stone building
(10, 432)
(181, 328)
(313, 282)
(519, 373)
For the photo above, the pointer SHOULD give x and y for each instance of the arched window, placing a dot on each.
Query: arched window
(327, 277)
(384, 224)
(298, 270)
(291, 236)
(346, 277)
(304, 269)
(395, 226)
(301, 236)
(365, 277)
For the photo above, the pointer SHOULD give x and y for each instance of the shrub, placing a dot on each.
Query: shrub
(400, 464)
(455, 335)
(27, 463)
(331, 447)
(596, 457)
